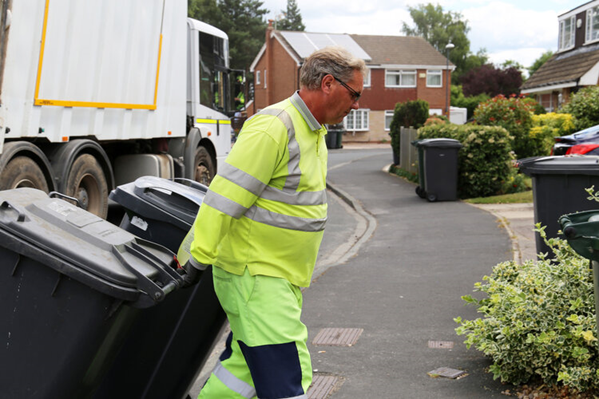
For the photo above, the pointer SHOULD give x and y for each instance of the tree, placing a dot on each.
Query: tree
(439, 28)
(539, 62)
(492, 81)
(242, 20)
(293, 18)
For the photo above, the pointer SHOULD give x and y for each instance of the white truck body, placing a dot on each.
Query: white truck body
(109, 72)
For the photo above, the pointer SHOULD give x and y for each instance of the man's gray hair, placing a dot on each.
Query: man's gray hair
(334, 60)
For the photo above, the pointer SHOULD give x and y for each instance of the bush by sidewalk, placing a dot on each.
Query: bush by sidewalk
(538, 323)
(485, 162)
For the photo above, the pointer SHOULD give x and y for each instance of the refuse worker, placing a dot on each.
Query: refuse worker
(261, 224)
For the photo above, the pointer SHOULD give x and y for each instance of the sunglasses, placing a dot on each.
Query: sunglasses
(355, 95)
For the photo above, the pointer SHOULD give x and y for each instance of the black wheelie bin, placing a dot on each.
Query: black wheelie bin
(166, 362)
(73, 285)
(559, 186)
(438, 169)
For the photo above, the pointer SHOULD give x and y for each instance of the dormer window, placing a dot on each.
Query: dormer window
(566, 33)
(592, 33)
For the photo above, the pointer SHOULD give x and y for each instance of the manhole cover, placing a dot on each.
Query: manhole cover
(322, 386)
(440, 344)
(338, 336)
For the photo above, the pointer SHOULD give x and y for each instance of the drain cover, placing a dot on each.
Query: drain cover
(322, 386)
(440, 344)
(338, 336)
(447, 373)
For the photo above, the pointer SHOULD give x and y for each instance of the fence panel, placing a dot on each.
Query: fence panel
(408, 157)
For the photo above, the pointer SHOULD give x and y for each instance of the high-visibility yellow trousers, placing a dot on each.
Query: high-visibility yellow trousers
(266, 354)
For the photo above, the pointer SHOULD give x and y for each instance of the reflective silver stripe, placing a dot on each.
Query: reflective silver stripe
(261, 215)
(293, 170)
(295, 197)
(303, 109)
(242, 179)
(233, 383)
(224, 204)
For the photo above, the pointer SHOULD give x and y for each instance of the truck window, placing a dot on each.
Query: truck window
(213, 72)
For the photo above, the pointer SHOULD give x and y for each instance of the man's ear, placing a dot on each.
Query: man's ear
(326, 83)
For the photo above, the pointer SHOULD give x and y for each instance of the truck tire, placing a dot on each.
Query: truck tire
(86, 182)
(22, 171)
(204, 167)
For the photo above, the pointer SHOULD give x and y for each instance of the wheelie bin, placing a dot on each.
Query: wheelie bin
(166, 361)
(438, 169)
(581, 230)
(559, 186)
(73, 285)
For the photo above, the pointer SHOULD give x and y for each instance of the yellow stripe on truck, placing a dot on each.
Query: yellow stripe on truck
(214, 121)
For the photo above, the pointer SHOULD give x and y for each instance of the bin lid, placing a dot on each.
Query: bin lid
(175, 202)
(560, 164)
(438, 143)
(81, 245)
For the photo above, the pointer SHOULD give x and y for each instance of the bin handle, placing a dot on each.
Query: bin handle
(7, 205)
(151, 292)
(192, 183)
(56, 194)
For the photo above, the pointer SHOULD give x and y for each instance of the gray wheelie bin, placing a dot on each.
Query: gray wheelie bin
(438, 169)
(72, 286)
(166, 362)
(558, 186)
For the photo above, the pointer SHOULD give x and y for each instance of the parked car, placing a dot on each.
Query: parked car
(585, 142)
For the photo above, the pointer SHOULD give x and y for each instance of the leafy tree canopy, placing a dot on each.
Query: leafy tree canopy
(492, 81)
(242, 20)
(293, 18)
(439, 28)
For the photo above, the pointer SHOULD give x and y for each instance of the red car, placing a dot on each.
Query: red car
(585, 142)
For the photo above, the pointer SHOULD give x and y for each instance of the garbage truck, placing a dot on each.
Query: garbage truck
(94, 94)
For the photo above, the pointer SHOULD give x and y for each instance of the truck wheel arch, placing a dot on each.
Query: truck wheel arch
(15, 149)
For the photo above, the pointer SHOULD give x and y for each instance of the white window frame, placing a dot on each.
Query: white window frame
(257, 78)
(592, 35)
(265, 80)
(388, 114)
(566, 42)
(367, 78)
(434, 73)
(349, 122)
(400, 73)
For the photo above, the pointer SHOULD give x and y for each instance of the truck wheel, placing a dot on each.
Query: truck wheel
(22, 171)
(204, 170)
(87, 183)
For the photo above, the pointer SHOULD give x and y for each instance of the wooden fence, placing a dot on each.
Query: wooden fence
(408, 157)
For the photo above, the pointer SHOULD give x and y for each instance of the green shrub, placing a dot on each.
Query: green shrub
(484, 161)
(514, 114)
(470, 103)
(584, 106)
(538, 322)
(409, 114)
(545, 128)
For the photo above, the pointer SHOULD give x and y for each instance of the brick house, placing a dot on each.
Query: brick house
(400, 69)
(576, 61)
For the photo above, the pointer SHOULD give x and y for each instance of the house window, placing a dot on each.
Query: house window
(367, 78)
(265, 80)
(356, 120)
(257, 78)
(400, 78)
(388, 119)
(566, 33)
(592, 33)
(434, 78)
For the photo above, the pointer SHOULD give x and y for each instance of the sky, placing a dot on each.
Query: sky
(517, 30)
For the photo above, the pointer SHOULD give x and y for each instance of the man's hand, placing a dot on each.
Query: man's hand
(191, 273)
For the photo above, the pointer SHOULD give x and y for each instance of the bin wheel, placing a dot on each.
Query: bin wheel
(420, 192)
(431, 197)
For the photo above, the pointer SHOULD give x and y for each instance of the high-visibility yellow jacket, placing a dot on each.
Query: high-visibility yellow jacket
(266, 208)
